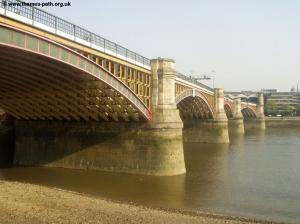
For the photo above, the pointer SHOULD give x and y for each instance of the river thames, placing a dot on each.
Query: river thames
(255, 176)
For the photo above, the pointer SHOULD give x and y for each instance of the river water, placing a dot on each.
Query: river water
(255, 176)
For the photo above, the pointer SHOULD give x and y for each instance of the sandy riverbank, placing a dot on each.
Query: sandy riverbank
(27, 203)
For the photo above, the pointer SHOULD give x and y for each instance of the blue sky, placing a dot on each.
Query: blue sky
(250, 44)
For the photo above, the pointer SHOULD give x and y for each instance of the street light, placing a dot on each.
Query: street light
(213, 74)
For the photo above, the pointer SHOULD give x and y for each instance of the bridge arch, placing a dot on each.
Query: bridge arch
(41, 79)
(228, 110)
(248, 112)
(194, 104)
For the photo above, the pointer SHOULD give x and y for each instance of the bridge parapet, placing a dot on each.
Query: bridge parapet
(38, 18)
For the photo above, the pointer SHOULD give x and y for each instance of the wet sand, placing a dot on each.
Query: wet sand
(27, 203)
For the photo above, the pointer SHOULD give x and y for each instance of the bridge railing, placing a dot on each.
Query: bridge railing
(193, 81)
(23, 12)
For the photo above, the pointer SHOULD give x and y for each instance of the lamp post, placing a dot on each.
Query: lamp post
(213, 73)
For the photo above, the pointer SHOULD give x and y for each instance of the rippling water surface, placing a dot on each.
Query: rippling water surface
(256, 175)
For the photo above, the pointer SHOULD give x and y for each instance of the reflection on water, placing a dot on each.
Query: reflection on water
(256, 175)
(121, 187)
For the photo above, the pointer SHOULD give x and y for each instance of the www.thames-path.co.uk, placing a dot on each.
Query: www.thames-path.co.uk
(38, 4)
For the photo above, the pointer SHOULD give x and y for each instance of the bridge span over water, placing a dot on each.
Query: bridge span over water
(79, 100)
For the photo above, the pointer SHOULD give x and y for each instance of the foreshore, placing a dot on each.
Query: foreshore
(26, 203)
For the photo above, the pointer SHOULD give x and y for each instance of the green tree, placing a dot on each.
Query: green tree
(297, 108)
(285, 109)
(271, 108)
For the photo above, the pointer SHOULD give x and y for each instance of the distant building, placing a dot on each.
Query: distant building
(268, 91)
(284, 103)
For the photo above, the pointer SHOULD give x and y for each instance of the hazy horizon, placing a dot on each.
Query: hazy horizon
(251, 45)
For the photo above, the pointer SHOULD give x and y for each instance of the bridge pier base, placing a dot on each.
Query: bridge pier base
(6, 144)
(107, 146)
(208, 131)
(255, 123)
(236, 126)
(259, 121)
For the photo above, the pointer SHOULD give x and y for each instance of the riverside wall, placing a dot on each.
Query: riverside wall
(282, 122)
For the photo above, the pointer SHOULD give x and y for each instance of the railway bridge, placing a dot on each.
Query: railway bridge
(81, 101)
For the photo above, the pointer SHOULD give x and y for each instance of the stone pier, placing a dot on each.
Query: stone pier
(206, 131)
(259, 121)
(166, 119)
(260, 112)
(210, 130)
(236, 123)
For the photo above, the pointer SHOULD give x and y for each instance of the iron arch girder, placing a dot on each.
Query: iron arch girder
(195, 94)
(13, 39)
(228, 110)
(248, 112)
(202, 107)
(192, 106)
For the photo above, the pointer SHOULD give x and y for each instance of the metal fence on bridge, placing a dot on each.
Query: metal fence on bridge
(38, 16)
(35, 15)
